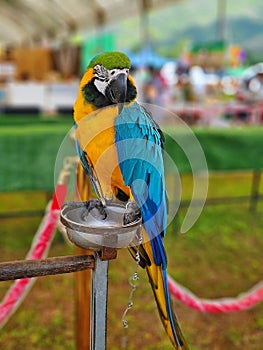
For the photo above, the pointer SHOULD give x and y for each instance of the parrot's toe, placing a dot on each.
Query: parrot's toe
(131, 214)
(96, 207)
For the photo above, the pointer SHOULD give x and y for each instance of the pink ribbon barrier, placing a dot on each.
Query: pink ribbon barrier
(39, 249)
(224, 305)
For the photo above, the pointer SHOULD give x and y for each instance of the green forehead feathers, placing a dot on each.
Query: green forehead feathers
(111, 60)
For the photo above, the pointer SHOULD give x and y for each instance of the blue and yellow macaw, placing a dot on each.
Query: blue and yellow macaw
(120, 147)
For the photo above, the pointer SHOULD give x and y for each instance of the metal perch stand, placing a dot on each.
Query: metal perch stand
(103, 237)
(68, 264)
(98, 310)
(98, 241)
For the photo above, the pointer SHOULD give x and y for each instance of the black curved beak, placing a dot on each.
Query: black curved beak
(117, 90)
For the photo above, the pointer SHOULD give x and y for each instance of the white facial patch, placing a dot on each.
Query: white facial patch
(101, 85)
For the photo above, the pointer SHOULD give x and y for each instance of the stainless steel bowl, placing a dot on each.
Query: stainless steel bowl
(89, 231)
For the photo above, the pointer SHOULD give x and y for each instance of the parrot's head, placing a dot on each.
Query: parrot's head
(110, 81)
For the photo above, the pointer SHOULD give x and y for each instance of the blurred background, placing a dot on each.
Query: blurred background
(199, 60)
(185, 54)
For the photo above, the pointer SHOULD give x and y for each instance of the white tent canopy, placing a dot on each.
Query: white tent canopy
(23, 21)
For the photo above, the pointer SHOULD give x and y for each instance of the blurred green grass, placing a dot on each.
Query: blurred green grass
(29, 146)
(221, 256)
(232, 148)
(28, 150)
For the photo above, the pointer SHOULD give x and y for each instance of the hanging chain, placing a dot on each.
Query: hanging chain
(133, 281)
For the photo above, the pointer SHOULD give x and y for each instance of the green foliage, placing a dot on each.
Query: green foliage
(197, 22)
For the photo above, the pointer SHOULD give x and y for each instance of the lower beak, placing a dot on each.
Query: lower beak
(117, 89)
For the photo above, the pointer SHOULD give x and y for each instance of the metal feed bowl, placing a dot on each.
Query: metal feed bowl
(88, 230)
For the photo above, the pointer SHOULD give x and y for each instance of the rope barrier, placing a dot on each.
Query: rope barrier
(39, 249)
(224, 305)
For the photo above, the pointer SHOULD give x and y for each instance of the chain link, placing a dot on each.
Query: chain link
(133, 281)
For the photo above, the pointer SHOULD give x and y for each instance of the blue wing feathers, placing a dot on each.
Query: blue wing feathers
(139, 148)
(83, 158)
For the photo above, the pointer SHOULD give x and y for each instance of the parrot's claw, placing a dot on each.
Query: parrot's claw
(96, 207)
(131, 214)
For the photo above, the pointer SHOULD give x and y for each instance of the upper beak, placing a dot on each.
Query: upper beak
(117, 89)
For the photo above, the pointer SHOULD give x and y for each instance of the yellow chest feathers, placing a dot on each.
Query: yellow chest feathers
(96, 136)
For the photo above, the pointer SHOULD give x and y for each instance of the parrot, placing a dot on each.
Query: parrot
(120, 147)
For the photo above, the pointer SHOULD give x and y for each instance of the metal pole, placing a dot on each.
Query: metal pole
(254, 197)
(98, 307)
(221, 19)
(144, 18)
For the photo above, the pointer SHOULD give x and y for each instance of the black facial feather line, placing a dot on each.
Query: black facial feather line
(101, 72)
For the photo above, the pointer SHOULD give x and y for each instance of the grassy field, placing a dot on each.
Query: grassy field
(224, 148)
(221, 256)
(29, 147)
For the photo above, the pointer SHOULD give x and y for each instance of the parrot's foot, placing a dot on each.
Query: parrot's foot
(131, 214)
(96, 207)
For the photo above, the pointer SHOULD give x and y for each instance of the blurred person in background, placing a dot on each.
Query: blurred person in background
(154, 87)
